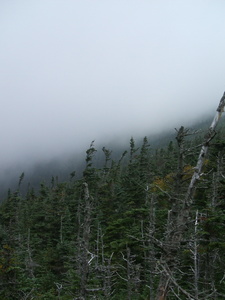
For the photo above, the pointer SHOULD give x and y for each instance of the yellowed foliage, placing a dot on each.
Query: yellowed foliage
(158, 183)
(163, 183)
(188, 171)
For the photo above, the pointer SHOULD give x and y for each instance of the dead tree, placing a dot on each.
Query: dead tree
(180, 212)
(133, 272)
(103, 266)
(83, 255)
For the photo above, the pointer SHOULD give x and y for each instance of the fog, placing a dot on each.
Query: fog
(77, 71)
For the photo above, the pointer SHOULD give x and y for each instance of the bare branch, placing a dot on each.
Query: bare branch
(172, 279)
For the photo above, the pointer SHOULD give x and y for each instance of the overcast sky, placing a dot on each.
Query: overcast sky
(73, 71)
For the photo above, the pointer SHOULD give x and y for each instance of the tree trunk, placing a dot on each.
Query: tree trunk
(180, 211)
(83, 242)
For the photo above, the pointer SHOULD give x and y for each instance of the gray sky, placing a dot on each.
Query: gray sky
(77, 70)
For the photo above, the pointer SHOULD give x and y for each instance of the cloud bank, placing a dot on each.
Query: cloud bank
(75, 71)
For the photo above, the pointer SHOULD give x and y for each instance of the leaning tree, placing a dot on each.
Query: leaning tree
(179, 213)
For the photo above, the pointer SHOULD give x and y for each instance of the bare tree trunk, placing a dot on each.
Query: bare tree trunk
(83, 242)
(181, 209)
(129, 284)
(204, 150)
(108, 279)
(150, 252)
(195, 257)
(30, 263)
(174, 226)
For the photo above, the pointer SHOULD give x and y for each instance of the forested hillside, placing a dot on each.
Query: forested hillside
(60, 167)
(121, 231)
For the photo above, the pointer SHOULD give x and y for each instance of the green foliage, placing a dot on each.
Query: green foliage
(59, 243)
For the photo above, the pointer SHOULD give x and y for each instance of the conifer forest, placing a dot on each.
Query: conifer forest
(149, 225)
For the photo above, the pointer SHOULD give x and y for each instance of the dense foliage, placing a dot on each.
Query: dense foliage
(104, 236)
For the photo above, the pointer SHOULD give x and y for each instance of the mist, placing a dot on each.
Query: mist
(77, 71)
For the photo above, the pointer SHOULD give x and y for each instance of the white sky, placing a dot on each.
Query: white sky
(72, 71)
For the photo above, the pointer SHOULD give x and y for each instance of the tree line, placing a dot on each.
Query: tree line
(149, 225)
